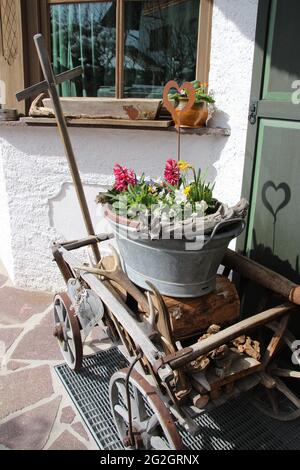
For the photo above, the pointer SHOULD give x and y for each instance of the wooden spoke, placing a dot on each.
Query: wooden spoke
(273, 401)
(279, 372)
(139, 409)
(158, 443)
(282, 402)
(152, 424)
(280, 385)
(123, 412)
(275, 341)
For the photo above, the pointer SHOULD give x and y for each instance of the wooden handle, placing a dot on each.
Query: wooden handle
(224, 336)
(263, 276)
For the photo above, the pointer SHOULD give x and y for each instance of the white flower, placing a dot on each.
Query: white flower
(201, 208)
(168, 197)
(180, 197)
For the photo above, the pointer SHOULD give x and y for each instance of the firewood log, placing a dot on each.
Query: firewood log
(190, 317)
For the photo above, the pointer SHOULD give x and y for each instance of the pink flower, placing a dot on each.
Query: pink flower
(123, 177)
(172, 173)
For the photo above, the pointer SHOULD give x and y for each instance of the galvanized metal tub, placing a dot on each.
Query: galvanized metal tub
(178, 268)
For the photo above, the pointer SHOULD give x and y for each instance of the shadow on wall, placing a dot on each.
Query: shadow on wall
(237, 15)
(65, 203)
(219, 119)
(287, 37)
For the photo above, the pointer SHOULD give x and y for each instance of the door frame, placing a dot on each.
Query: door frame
(261, 38)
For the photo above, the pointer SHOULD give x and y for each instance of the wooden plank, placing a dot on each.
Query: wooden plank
(241, 367)
(222, 131)
(120, 48)
(227, 335)
(106, 108)
(11, 53)
(58, 2)
(35, 19)
(158, 124)
(43, 86)
(204, 40)
(102, 122)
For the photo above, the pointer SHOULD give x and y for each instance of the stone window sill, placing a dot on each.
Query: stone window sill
(159, 125)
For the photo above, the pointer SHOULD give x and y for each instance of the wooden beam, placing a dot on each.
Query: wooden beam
(227, 335)
(58, 2)
(263, 276)
(204, 40)
(120, 49)
(35, 19)
(12, 60)
(43, 86)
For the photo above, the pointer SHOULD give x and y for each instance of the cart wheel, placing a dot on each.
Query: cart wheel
(67, 331)
(152, 424)
(282, 402)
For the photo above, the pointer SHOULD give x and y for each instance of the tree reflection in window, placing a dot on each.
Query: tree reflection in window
(85, 34)
(160, 44)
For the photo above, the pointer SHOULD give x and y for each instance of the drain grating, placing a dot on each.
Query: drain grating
(236, 425)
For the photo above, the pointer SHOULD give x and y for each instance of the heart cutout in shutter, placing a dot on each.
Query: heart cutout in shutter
(286, 196)
(176, 114)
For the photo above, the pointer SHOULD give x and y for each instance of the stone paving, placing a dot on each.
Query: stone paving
(35, 411)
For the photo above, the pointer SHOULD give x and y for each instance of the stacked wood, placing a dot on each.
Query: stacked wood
(190, 317)
(245, 344)
(202, 362)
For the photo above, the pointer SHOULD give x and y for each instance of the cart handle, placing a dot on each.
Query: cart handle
(264, 276)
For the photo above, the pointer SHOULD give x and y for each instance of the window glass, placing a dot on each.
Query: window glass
(85, 34)
(160, 44)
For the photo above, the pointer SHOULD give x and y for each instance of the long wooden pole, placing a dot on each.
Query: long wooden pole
(62, 126)
(267, 278)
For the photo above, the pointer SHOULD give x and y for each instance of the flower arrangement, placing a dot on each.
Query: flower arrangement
(170, 231)
(202, 93)
(181, 189)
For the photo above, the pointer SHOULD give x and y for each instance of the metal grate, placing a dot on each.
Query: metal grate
(236, 425)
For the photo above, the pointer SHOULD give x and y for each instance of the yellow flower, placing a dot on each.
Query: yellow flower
(152, 189)
(183, 165)
(187, 190)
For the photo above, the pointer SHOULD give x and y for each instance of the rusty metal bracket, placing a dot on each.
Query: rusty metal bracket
(168, 359)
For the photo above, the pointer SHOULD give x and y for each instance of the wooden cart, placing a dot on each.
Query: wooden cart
(184, 357)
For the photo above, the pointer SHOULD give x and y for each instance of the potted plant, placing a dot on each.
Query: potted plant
(171, 231)
(198, 114)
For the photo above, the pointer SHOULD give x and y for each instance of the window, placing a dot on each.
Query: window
(85, 34)
(128, 48)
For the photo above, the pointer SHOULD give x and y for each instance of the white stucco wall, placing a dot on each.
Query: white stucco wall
(6, 255)
(37, 199)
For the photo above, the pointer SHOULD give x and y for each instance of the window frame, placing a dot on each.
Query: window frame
(203, 42)
(35, 18)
